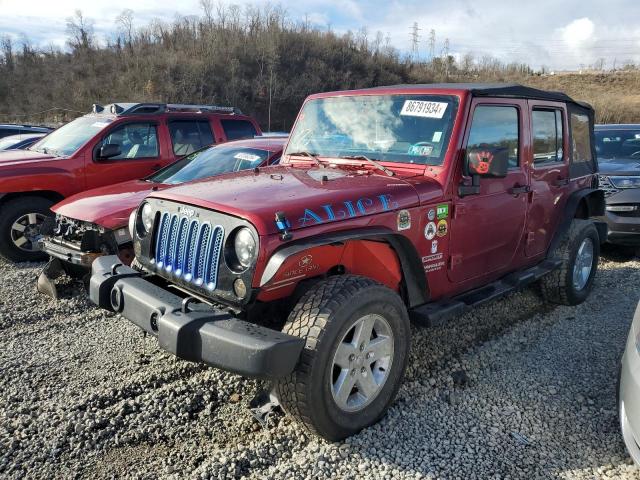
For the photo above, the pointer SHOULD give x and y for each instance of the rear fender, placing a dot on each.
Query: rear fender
(585, 203)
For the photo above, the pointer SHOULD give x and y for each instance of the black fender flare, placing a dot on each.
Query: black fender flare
(410, 262)
(595, 207)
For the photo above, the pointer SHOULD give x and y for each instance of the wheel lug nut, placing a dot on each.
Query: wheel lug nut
(363, 371)
(369, 354)
(353, 372)
(352, 357)
(362, 347)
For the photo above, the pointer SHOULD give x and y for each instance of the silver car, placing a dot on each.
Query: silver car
(629, 394)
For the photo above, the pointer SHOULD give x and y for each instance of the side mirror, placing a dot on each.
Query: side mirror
(489, 162)
(109, 150)
(484, 162)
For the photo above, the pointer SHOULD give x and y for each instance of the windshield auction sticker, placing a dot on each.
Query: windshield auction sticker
(419, 108)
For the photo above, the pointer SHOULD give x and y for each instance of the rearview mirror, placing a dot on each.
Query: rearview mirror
(488, 162)
(109, 150)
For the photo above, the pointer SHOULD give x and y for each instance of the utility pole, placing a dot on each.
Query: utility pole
(415, 39)
(432, 44)
(445, 52)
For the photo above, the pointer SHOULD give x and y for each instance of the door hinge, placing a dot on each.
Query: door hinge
(531, 237)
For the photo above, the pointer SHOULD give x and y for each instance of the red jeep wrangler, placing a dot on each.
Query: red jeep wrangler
(115, 143)
(390, 204)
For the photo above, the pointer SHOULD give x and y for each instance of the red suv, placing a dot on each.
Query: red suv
(390, 204)
(112, 144)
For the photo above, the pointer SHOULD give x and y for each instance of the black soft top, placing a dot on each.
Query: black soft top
(506, 90)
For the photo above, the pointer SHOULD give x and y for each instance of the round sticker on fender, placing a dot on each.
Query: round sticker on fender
(430, 231)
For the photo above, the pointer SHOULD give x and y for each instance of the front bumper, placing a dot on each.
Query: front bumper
(67, 252)
(622, 230)
(629, 394)
(209, 335)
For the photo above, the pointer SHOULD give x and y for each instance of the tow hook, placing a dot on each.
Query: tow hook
(263, 405)
(46, 281)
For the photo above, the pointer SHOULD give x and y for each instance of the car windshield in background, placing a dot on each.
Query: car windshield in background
(70, 137)
(391, 128)
(618, 144)
(210, 162)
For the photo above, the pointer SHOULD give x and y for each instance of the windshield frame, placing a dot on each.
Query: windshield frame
(453, 96)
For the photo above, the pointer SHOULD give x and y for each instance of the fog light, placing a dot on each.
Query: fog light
(239, 288)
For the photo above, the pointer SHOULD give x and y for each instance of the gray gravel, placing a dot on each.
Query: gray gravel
(512, 390)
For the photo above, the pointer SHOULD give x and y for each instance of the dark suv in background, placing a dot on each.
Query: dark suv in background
(11, 129)
(618, 148)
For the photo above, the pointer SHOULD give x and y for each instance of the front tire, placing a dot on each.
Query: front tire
(20, 222)
(357, 336)
(580, 252)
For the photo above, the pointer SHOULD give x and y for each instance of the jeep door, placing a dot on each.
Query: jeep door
(548, 164)
(140, 153)
(487, 228)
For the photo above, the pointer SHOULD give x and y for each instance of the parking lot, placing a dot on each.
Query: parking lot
(511, 390)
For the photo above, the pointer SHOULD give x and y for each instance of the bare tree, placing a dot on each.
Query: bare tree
(80, 31)
(124, 22)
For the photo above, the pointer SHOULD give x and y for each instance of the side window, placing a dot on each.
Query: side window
(236, 129)
(547, 136)
(136, 140)
(581, 138)
(187, 136)
(495, 127)
(5, 132)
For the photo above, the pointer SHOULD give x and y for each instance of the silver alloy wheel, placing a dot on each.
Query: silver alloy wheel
(583, 264)
(362, 363)
(25, 231)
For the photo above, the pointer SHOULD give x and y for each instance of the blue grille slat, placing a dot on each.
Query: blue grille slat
(189, 249)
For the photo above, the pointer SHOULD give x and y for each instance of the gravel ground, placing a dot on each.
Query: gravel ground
(512, 390)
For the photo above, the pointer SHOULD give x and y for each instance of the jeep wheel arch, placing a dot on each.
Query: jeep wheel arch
(415, 281)
(583, 204)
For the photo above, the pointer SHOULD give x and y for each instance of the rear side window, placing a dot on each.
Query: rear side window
(581, 138)
(495, 127)
(187, 136)
(236, 129)
(5, 132)
(547, 136)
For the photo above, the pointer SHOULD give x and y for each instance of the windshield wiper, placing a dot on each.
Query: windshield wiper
(372, 162)
(312, 156)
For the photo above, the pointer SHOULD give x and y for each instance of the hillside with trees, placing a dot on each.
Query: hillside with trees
(254, 58)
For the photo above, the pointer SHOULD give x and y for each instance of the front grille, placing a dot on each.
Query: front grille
(189, 249)
(606, 186)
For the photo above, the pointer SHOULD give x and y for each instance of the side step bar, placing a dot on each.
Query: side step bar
(437, 313)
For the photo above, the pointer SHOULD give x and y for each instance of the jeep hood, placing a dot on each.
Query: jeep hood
(306, 198)
(108, 206)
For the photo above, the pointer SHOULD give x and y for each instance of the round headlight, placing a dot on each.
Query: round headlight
(146, 217)
(246, 247)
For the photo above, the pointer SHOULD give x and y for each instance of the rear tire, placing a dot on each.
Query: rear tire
(357, 336)
(20, 219)
(580, 252)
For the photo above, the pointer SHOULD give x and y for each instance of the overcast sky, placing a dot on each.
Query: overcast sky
(540, 32)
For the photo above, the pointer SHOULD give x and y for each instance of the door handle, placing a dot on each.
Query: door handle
(518, 189)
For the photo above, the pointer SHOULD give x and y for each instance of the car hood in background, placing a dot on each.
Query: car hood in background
(619, 166)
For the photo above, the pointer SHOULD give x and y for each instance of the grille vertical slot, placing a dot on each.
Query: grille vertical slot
(189, 249)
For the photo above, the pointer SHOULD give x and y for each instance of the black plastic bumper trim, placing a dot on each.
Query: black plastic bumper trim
(201, 334)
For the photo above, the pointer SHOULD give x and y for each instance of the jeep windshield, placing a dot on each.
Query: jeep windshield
(209, 162)
(412, 129)
(67, 139)
(622, 144)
